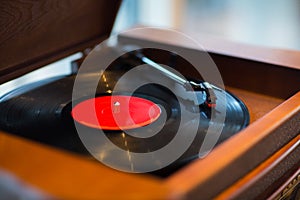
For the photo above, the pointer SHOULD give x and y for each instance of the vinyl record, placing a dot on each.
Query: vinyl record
(44, 113)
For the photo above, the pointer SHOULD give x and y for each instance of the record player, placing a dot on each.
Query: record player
(259, 161)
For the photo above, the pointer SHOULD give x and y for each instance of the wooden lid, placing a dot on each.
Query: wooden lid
(35, 33)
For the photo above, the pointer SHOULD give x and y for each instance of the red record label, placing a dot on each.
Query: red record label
(117, 112)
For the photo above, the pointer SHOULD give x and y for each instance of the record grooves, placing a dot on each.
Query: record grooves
(44, 114)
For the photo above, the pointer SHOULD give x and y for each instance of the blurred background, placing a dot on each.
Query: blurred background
(274, 23)
(271, 23)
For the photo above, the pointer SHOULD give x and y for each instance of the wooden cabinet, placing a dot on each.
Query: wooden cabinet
(258, 162)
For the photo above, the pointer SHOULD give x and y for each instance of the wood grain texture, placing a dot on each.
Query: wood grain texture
(246, 186)
(34, 33)
(68, 176)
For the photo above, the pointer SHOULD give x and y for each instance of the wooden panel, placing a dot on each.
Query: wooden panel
(34, 33)
(72, 177)
(268, 176)
(258, 77)
(288, 58)
(258, 69)
(240, 154)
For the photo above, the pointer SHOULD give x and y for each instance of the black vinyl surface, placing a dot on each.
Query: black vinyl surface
(42, 113)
